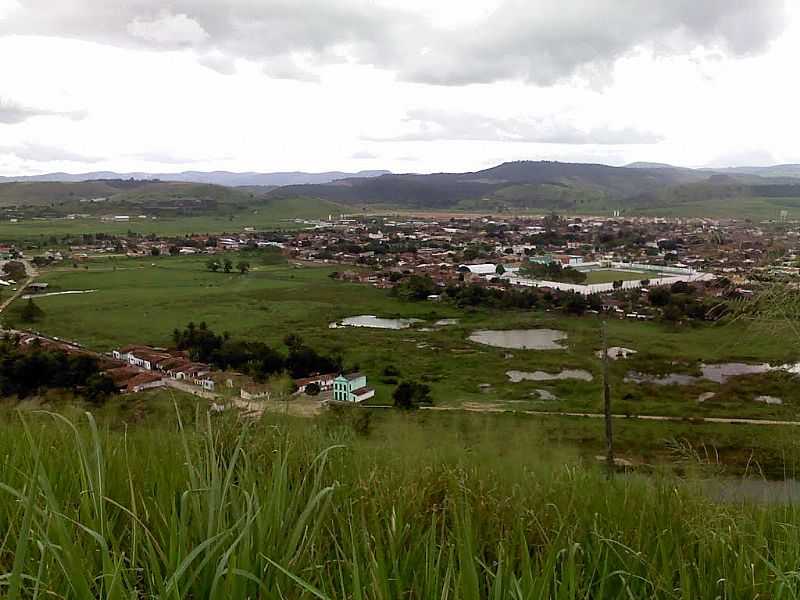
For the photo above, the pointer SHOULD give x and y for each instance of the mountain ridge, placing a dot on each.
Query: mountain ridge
(226, 178)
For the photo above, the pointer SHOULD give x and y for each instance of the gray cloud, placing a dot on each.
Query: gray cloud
(429, 125)
(45, 153)
(363, 155)
(12, 113)
(534, 40)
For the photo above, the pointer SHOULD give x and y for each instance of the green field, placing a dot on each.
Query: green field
(728, 208)
(144, 300)
(267, 215)
(609, 276)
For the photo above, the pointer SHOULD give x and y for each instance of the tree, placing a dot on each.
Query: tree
(313, 389)
(673, 313)
(410, 394)
(243, 266)
(99, 387)
(416, 287)
(228, 266)
(213, 265)
(30, 312)
(576, 304)
(500, 269)
(659, 296)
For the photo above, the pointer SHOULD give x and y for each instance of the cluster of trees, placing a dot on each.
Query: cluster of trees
(415, 287)
(257, 359)
(553, 272)
(23, 373)
(680, 301)
(15, 270)
(226, 265)
(493, 297)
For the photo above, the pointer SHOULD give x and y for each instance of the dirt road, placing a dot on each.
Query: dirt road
(725, 420)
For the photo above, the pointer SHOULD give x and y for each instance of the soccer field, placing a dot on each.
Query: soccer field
(608, 275)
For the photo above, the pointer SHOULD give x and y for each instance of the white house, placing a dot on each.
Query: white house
(351, 388)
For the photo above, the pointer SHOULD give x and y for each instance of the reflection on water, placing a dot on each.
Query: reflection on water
(756, 491)
(374, 322)
(518, 376)
(718, 373)
(521, 339)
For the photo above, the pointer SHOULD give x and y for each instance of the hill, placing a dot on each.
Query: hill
(226, 178)
(522, 184)
(789, 170)
(118, 196)
(545, 185)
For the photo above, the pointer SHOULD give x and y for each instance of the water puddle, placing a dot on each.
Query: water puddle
(374, 322)
(518, 376)
(718, 373)
(521, 339)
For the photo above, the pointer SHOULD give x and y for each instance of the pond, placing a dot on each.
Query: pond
(719, 373)
(521, 339)
(751, 491)
(518, 376)
(374, 322)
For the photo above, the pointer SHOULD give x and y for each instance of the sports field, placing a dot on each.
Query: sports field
(610, 275)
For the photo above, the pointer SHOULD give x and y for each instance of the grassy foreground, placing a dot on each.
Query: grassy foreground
(410, 509)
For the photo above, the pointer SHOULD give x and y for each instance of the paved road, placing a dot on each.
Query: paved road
(726, 420)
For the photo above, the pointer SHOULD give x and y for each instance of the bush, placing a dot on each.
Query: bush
(313, 389)
(410, 394)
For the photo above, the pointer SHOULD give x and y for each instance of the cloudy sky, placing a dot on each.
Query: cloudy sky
(406, 85)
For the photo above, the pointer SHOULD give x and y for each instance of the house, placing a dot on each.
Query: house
(325, 382)
(351, 388)
(144, 381)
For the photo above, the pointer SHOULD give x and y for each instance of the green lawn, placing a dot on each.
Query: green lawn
(609, 276)
(144, 300)
(729, 208)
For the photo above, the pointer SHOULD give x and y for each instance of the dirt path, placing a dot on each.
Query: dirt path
(32, 273)
(725, 420)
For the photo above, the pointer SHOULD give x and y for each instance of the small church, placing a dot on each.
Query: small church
(351, 387)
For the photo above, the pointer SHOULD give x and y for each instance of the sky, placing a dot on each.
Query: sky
(405, 85)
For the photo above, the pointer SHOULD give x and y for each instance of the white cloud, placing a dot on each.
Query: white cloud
(309, 82)
(7, 7)
(12, 112)
(168, 29)
(452, 124)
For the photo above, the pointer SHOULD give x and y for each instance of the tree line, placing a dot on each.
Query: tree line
(257, 359)
(26, 372)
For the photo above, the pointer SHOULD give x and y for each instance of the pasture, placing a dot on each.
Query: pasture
(273, 214)
(144, 300)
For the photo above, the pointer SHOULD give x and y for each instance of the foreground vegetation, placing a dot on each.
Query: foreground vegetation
(409, 506)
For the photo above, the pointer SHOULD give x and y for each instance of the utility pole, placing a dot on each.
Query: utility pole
(607, 408)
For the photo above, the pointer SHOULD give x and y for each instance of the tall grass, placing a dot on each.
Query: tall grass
(216, 509)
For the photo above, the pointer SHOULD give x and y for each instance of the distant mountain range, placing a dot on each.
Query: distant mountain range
(546, 185)
(650, 188)
(225, 178)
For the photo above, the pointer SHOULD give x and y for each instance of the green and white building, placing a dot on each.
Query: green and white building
(351, 387)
